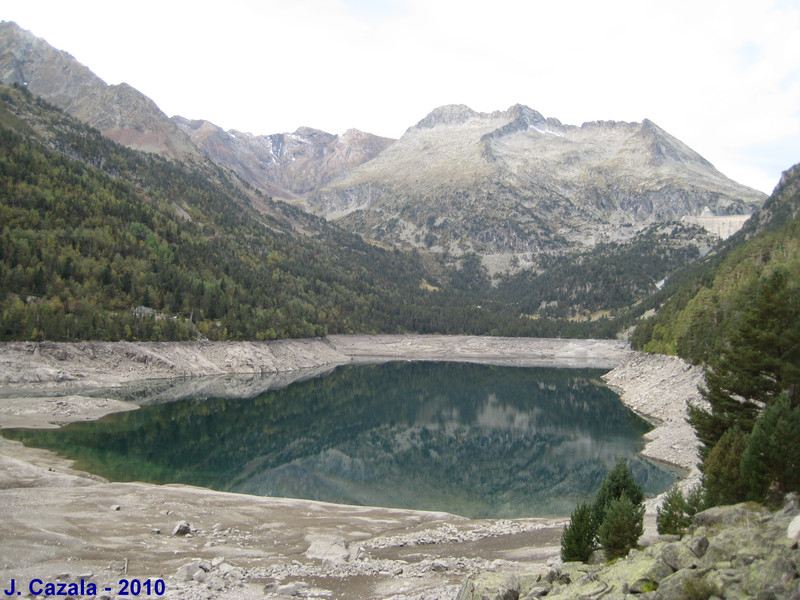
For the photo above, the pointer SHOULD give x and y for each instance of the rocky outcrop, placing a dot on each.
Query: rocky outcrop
(659, 388)
(121, 112)
(285, 165)
(734, 552)
(516, 181)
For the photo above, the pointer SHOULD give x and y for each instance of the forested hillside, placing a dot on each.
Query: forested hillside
(102, 242)
(707, 301)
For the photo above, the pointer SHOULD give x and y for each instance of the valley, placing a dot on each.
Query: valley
(184, 259)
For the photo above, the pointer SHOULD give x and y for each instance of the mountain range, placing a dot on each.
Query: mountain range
(510, 222)
(514, 181)
(509, 184)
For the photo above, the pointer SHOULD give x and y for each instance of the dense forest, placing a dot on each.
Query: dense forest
(704, 303)
(738, 314)
(106, 243)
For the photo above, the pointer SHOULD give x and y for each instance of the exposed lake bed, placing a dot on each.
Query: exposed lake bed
(331, 543)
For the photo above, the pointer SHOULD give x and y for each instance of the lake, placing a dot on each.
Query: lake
(475, 440)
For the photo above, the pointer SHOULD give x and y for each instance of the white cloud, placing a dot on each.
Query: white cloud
(722, 76)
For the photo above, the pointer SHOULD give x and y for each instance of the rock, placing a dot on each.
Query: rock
(116, 507)
(729, 515)
(698, 544)
(439, 566)
(765, 576)
(679, 583)
(330, 549)
(217, 561)
(155, 531)
(292, 589)
(181, 528)
(791, 504)
(187, 572)
(550, 575)
(678, 556)
(490, 586)
(793, 531)
(536, 590)
(598, 557)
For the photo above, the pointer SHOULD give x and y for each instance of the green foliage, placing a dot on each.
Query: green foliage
(702, 304)
(760, 362)
(770, 465)
(611, 277)
(622, 526)
(578, 537)
(619, 482)
(722, 474)
(695, 501)
(671, 516)
(615, 519)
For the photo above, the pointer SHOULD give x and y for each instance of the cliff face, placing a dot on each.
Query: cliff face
(515, 181)
(286, 165)
(119, 111)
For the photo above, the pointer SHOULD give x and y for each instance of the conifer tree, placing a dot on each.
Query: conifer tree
(761, 360)
(622, 527)
(578, 537)
(722, 474)
(618, 482)
(770, 466)
(671, 516)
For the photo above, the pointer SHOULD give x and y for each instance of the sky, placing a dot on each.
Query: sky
(723, 76)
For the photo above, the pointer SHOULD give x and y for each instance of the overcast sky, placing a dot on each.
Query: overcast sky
(722, 76)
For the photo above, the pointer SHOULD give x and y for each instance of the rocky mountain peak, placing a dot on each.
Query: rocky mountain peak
(450, 114)
(515, 181)
(119, 111)
(665, 147)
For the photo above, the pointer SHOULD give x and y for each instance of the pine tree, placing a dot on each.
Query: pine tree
(671, 516)
(722, 474)
(761, 360)
(619, 482)
(578, 538)
(622, 527)
(770, 466)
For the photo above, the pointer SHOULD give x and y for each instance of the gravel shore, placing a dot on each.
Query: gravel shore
(60, 523)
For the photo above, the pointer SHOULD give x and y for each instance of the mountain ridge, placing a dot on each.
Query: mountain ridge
(515, 181)
(121, 112)
(285, 165)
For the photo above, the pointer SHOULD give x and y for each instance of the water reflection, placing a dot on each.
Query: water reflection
(472, 439)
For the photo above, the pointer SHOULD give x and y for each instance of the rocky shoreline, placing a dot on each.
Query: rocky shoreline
(66, 523)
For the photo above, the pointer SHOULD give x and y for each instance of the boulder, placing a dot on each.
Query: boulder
(181, 528)
(328, 549)
(698, 544)
(771, 575)
(678, 556)
(746, 512)
(500, 586)
(793, 531)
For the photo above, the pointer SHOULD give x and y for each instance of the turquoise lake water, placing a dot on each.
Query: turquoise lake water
(475, 440)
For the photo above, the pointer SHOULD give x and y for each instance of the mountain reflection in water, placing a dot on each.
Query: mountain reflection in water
(476, 440)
